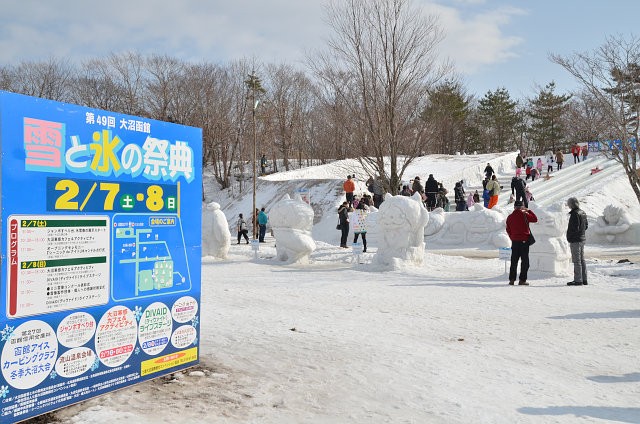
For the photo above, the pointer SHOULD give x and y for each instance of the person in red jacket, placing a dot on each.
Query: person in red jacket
(518, 231)
(575, 151)
(349, 187)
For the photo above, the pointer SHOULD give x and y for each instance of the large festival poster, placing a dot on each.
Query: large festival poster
(101, 233)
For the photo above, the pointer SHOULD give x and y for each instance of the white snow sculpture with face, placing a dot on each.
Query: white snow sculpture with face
(401, 221)
(550, 253)
(216, 238)
(292, 221)
(613, 222)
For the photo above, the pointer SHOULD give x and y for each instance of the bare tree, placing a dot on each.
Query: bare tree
(584, 120)
(289, 98)
(48, 79)
(386, 50)
(611, 75)
(164, 74)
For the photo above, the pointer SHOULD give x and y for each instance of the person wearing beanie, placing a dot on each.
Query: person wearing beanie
(519, 232)
(576, 236)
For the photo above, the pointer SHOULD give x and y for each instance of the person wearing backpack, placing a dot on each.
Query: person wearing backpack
(241, 226)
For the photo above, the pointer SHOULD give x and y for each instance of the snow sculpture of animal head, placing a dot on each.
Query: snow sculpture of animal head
(216, 238)
(292, 222)
(401, 221)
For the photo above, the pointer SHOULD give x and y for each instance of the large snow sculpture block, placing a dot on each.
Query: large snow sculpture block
(550, 253)
(401, 221)
(614, 227)
(292, 222)
(216, 238)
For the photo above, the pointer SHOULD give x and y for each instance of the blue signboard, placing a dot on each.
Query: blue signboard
(101, 234)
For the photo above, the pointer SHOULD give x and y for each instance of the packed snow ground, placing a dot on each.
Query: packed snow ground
(336, 342)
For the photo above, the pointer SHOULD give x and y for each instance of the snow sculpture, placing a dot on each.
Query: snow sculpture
(476, 226)
(401, 221)
(292, 222)
(613, 226)
(550, 253)
(216, 238)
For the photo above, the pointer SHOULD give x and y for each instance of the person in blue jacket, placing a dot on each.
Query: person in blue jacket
(262, 223)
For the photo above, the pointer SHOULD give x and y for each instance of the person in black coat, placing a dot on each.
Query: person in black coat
(343, 217)
(431, 187)
(461, 202)
(576, 236)
(518, 188)
(488, 171)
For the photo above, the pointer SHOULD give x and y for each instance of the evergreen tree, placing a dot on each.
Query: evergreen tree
(547, 111)
(498, 118)
(448, 113)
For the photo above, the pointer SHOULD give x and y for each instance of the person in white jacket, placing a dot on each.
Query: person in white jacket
(358, 220)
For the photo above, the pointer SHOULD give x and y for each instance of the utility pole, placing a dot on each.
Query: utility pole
(255, 86)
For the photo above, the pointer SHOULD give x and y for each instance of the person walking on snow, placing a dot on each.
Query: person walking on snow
(494, 190)
(518, 188)
(263, 164)
(549, 164)
(488, 171)
(359, 224)
(559, 159)
(585, 152)
(575, 151)
(241, 226)
(576, 236)
(486, 194)
(349, 187)
(539, 166)
(519, 161)
(519, 232)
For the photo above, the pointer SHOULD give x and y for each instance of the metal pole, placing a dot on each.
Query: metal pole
(255, 215)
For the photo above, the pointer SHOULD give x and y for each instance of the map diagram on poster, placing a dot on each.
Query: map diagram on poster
(149, 254)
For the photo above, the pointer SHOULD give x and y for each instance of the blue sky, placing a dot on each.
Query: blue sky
(494, 43)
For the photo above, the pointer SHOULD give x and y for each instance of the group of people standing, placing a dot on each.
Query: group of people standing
(576, 151)
(243, 230)
(521, 237)
(490, 191)
(432, 193)
(353, 218)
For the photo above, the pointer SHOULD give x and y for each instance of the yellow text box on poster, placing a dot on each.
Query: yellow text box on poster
(168, 361)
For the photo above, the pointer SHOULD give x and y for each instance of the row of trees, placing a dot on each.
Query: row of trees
(378, 93)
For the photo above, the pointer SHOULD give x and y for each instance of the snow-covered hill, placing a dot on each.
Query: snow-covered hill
(324, 186)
